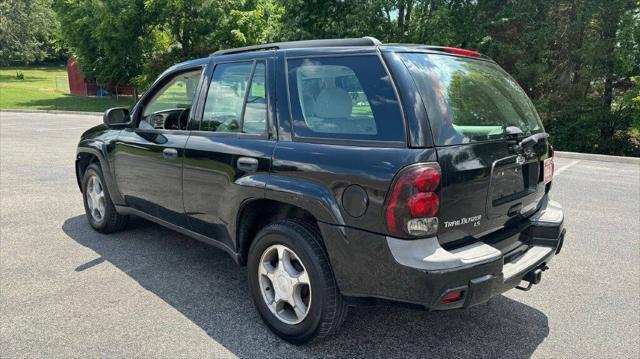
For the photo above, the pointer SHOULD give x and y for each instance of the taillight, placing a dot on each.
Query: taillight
(548, 169)
(413, 202)
(424, 204)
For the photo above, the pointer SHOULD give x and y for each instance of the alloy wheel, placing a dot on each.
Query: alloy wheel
(284, 283)
(95, 198)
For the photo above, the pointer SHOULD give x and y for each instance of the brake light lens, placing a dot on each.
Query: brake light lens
(427, 180)
(423, 204)
(464, 52)
(413, 202)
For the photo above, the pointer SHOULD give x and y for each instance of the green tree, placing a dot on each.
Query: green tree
(109, 38)
(320, 19)
(187, 29)
(592, 63)
(27, 29)
(254, 23)
(578, 60)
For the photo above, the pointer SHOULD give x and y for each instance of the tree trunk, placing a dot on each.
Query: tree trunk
(407, 21)
(610, 20)
(401, 18)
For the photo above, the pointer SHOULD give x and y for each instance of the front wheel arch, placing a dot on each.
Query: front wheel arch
(83, 160)
(109, 220)
(95, 152)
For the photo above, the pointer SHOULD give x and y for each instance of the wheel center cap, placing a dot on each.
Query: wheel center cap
(283, 284)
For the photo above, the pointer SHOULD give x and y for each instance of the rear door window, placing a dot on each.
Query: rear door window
(347, 98)
(255, 111)
(237, 100)
(469, 100)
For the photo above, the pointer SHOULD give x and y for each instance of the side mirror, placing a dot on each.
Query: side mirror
(116, 116)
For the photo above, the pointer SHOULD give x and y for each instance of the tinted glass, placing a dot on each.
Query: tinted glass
(255, 112)
(470, 100)
(225, 98)
(177, 94)
(348, 97)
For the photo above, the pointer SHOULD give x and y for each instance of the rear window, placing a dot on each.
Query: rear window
(348, 98)
(469, 100)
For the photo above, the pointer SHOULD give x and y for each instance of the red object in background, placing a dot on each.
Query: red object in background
(80, 86)
(122, 90)
(77, 85)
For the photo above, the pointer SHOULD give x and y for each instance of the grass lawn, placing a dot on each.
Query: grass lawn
(38, 91)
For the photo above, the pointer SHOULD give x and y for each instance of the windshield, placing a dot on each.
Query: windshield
(469, 100)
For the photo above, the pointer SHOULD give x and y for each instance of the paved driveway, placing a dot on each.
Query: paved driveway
(67, 291)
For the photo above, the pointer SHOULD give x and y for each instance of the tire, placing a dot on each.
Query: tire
(100, 211)
(326, 309)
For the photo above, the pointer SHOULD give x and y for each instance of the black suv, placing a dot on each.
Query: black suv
(340, 172)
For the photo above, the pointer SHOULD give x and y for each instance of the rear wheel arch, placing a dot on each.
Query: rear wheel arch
(325, 309)
(257, 214)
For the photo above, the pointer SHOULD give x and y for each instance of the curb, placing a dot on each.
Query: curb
(594, 157)
(54, 111)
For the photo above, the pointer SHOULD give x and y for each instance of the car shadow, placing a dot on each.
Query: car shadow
(206, 286)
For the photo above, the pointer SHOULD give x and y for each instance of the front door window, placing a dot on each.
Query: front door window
(169, 108)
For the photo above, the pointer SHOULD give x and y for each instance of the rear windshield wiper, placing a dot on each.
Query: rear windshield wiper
(522, 146)
(533, 139)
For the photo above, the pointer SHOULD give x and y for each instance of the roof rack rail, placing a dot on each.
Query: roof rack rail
(361, 41)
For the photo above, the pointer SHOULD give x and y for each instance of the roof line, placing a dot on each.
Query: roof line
(361, 41)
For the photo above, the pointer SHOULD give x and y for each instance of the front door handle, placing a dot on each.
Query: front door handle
(170, 153)
(247, 164)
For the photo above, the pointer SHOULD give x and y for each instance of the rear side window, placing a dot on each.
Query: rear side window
(349, 98)
(469, 100)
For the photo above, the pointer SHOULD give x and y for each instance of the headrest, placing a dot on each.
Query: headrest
(333, 103)
(309, 106)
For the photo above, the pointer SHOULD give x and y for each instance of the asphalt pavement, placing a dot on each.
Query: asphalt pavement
(67, 291)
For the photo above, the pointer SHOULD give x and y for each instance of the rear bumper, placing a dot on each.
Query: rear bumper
(370, 266)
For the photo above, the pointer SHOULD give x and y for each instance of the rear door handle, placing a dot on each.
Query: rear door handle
(170, 153)
(247, 164)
